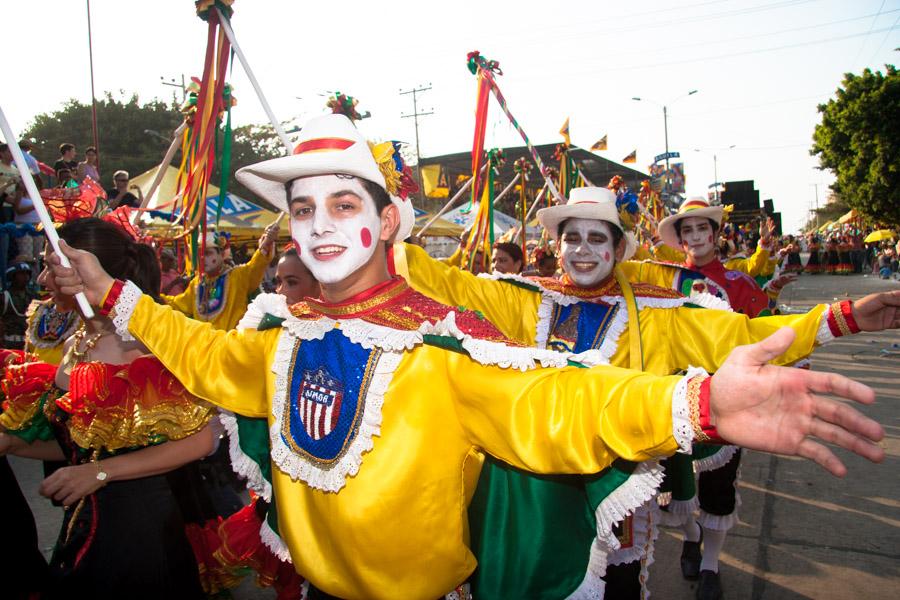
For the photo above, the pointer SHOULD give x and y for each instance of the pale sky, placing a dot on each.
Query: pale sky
(760, 68)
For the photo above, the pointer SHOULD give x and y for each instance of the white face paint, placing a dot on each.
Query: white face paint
(588, 251)
(334, 225)
(698, 239)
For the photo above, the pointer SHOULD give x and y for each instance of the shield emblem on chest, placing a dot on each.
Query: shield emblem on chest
(319, 403)
(328, 384)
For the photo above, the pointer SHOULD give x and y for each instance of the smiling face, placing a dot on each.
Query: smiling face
(698, 239)
(588, 251)
(502, 262)
(335, 225)
(213, 261)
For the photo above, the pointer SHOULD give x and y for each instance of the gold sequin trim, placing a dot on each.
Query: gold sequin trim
(693, 398)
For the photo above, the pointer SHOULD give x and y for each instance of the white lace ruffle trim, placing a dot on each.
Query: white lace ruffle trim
(682, 428)
(721, 522)
(824, 335)
(273, 304)
(715, 461)
(242, 464)
(638, 489)
(643, 531)
(274, 542)
(124, 308)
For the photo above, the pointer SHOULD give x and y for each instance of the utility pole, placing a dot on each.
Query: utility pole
(816, 188)
(415, 116)
(173, 83)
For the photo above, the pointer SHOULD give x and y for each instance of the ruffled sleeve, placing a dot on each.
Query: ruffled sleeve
(112, 407)
(26, 386)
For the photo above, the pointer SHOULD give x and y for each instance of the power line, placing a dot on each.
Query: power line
(736, 54)
(866, 39)
(886, 36)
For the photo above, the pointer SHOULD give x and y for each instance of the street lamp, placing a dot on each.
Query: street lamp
(715, 167)
(666, 127)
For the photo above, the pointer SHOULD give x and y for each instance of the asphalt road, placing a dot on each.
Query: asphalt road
(802, 532)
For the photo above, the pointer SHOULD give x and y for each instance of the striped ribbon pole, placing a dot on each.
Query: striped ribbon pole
(495, 89)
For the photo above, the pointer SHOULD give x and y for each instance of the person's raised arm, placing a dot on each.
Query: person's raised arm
(227, 369)
(509, 306)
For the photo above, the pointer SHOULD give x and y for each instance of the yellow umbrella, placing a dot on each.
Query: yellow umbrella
(880, 235)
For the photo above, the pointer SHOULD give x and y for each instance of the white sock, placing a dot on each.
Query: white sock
(712, 546)
(691, 530)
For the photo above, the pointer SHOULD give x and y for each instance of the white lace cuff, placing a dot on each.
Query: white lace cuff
(123, 308)
(682, 427)
(824, 334)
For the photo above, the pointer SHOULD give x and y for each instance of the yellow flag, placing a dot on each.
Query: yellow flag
(435, 186)
(599, 144)
(631, 158)
(565, 132)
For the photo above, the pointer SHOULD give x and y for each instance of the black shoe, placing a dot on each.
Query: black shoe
(690, 559)
(710, 588)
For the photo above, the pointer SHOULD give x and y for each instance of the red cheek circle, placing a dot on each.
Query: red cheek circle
(709, 239)
(296, 247)
(365, 236)
(606, 256)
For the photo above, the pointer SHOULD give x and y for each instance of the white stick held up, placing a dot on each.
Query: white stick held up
(39, 207)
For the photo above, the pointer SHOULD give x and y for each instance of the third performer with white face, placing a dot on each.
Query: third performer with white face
(588, 250)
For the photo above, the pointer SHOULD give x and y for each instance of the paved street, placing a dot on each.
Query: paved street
(803, 533)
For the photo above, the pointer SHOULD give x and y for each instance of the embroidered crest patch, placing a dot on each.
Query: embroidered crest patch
(581, 326)
(329, 380)
(211, 298)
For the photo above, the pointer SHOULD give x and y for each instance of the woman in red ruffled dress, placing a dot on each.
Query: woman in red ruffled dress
(124, 424)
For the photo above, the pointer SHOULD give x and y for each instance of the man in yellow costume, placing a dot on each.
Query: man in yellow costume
(382, 402)
(221, 293)
(637, 326)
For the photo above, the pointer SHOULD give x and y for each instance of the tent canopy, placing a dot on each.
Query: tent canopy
(440, 228)
(240, 217)
(847, 217)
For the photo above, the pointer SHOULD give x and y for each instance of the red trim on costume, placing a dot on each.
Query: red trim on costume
(705, 415)
(112, 295)
(847, 311)
(323, 144)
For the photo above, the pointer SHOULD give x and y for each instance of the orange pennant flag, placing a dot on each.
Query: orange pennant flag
(599, 145)
(565, 132)
(631, 158)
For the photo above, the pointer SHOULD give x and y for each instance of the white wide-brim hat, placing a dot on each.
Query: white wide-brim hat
(692, 207)
(587, 203)
(328, 145)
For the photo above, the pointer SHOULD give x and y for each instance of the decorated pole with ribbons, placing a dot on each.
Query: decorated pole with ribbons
(522, 168)
(39, 207)
(481, 235)
(534, 205)
(484, 69)
(506, 190)
(449, 204)
(229, 32)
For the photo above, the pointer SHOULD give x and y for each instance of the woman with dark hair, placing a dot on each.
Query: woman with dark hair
(122, 422)
(507, 258)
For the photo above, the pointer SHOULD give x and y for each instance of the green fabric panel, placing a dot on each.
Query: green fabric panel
(601, 485)
(701, 451)
(521, 284)
(269, 321)
(680, 476)
(253, 438)
(531, 534)
(444, 341)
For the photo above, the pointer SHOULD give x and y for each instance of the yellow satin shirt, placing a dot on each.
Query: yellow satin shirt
(238, 284)
(398, 528)
(758, 263)
(672, 338)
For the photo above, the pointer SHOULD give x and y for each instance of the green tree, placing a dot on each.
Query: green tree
(859, 140)
(133, 136)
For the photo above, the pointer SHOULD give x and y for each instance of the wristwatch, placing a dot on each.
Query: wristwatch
(101, 474)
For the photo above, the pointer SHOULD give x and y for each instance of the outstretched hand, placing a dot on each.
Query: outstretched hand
(85, 275)
(776, 409)
(877, 312)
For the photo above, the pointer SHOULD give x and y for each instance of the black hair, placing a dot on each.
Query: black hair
(712, 223)
(616, 232)
(4, 147)
(90, 149)
(514, 251)
(63, 148)
(118, 253)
